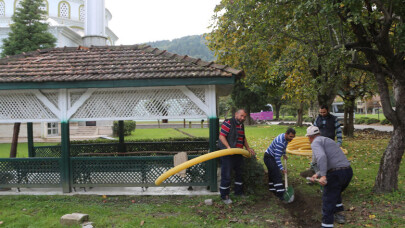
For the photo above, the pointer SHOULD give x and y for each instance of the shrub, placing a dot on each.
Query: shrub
(289, 118)
(129, 126)
(385, 121)
(361, 120)
(372, 120)
(253, 176)
(308, 119)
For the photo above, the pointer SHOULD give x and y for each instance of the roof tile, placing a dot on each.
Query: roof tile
(106, 63)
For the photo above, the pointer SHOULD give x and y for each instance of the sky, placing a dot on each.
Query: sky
(140, 21)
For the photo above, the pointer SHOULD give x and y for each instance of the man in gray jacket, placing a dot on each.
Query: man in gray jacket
(334, 174)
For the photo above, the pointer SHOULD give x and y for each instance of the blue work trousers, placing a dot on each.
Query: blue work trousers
(332, 194)
(229, 163)
(276, 185)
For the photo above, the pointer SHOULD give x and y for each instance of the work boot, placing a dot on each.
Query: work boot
(227, 200)
(340, 218)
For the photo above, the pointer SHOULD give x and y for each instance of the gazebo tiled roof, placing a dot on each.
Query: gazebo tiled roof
(136, 62)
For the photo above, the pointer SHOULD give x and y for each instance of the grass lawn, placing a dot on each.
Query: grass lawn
(156, 133)
(375, 116)
(363, 207)
(22, 149)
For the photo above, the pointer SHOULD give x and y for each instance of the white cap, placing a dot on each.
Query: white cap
(312, 130)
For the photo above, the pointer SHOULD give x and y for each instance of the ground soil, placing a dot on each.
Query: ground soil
(305, 210)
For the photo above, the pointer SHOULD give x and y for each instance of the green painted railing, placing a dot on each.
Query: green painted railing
(139, 171)
(196, 147)
(92, 165)
(30, 172)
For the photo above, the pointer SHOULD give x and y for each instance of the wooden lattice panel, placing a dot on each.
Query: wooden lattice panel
(59, 105)
(140, 104)
(21, 106)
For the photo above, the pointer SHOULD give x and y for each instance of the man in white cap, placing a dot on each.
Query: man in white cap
(334, 174)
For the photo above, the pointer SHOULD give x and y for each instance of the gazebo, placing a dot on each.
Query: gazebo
(107, 83)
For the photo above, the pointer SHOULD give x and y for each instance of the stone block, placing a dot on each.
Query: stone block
(208, 202)
(73, 219)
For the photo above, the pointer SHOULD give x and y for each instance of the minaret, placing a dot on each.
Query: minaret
(94, 25)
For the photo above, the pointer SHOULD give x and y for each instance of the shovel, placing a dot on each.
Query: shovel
(289, 191)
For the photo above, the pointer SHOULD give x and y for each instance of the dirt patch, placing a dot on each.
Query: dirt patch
(370, 133)
(305, 210)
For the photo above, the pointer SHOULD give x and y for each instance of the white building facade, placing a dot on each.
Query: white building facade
(66, 21)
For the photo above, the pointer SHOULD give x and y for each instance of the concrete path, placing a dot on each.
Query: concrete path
(388, 128)
(130, 191)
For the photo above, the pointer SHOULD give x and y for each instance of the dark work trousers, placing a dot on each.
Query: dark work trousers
(228, 163)
(332, 194)
(276, 185)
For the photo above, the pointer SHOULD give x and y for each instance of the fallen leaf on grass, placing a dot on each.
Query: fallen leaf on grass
(142, 222)
(104, 197)
(352, 208)
(371, 216)
(1, 222)
(233, 220)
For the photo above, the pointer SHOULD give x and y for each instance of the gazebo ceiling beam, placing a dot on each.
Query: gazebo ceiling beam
(80, 102)
(47, 103)
(194, 98)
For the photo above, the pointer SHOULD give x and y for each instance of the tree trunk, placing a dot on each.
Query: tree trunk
(248, 119)
(348, 129)
(387, 176)
(300, 114)
(277, 107)
(14, 143)
(326, 99)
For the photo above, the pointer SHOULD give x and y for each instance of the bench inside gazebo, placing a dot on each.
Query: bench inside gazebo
(116, 83)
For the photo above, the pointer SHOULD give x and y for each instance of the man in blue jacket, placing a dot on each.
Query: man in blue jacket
(329, 125)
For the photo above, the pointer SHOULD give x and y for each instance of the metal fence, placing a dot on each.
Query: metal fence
(93, 165)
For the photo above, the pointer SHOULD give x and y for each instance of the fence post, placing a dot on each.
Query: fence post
(212, 164)
(65, 158)
(30, 138)
(121, 146)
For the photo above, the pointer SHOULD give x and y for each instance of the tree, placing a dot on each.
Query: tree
(379, 37)
(194, 46)
(28, 33)
(355, 84)
(247, 99)
(255, 35)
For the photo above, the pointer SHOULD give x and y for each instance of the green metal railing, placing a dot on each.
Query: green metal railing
(195, 147)
(139, 171)
(30, 172)
(92, 165)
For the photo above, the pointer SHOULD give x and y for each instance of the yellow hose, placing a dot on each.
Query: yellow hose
(200, 159)
(301, 146)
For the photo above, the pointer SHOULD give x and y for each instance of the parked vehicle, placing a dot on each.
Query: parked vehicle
(263, 115)
(339, 111)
